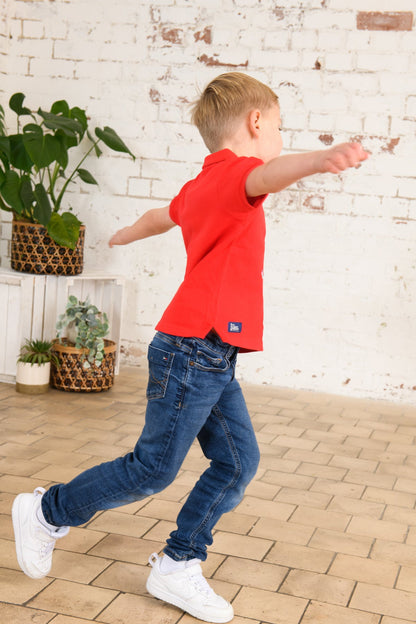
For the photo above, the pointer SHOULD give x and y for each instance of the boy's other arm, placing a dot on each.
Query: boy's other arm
(283, 171)
(155, 221)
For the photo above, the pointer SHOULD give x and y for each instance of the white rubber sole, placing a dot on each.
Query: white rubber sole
(161, 593)
(18, 503)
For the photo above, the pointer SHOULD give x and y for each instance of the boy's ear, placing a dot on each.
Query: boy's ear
(254, 120)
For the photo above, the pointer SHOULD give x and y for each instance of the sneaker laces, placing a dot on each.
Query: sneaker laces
(198, 580)
(46, 548)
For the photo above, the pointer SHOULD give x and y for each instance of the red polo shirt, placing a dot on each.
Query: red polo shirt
(224, 239)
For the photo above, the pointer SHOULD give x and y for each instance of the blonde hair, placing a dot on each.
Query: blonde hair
(224, 100)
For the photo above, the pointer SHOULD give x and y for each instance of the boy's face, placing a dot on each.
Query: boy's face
(270, 138)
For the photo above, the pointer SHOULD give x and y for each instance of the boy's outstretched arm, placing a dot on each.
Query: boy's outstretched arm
(283, 171)
(155, 221)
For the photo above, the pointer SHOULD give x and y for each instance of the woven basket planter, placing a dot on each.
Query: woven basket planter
(33, 251)
(73, 377)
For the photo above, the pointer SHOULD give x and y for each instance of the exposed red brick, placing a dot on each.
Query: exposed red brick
(204, 35)
(210, 61)
(317, 64)
(374, 20)
(326, 139)
(286, 83)
(173, 35)
(389, 147)
(315, 202)
(154, 95)
(154, 15)
(385, 144)
(279, 13)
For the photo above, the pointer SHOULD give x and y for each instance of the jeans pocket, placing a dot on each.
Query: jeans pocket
(206, 362)
(160, 364)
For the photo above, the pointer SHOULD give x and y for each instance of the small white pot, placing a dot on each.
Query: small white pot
(32, 378)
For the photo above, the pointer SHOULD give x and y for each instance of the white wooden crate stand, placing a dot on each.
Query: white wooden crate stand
(30, 306)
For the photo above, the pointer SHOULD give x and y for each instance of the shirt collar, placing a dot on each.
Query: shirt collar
(217, 157)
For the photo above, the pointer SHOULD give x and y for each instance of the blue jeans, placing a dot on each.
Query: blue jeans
(192, 392)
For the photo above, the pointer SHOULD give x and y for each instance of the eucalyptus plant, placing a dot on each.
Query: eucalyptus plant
(34, 164)
(90, 325)
(38, 352)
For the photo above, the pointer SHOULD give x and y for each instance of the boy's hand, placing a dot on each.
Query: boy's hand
(154, 221)
(120, 238)
(341, 157)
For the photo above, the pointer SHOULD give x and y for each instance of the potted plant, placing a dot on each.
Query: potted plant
(86, 357)
(34, 176)
(34, 366)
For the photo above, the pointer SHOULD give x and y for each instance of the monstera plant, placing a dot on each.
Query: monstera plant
(35, 169)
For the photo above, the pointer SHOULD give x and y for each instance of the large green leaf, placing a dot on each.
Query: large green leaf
(19, 157)
(10, 191)
(42, 210)
(5, 150)
(86, 176)
(81, 116)
(62, 158)
(71, 127)
(68, 140)
(43, 149)
(3, 205)
(112, 140)
(60, 107)
(32, 128)
(16, 104)
(26, 192)
(64, 229)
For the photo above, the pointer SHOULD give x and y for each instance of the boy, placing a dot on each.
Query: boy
(192, 391)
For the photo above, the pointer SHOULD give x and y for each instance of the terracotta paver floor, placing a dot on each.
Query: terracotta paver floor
(325, 534)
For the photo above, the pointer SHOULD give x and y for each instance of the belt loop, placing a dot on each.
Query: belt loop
(234, 361)
(231, 351)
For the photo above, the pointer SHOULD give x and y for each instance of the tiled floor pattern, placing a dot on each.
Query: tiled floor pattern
(326, 534)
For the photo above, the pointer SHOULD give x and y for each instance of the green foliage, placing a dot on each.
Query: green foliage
(34, 161)
(91, 327)
(38, 352)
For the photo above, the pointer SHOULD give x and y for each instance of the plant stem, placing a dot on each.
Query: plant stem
(58, 201)
(52, 181)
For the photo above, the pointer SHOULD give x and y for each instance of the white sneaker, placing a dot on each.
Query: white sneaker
(34, 541)
(189, 590)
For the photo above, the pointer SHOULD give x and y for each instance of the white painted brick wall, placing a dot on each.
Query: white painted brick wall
(340, 274)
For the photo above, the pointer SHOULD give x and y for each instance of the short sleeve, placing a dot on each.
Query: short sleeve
(173, 212)
(176, 204)
(233, 184)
